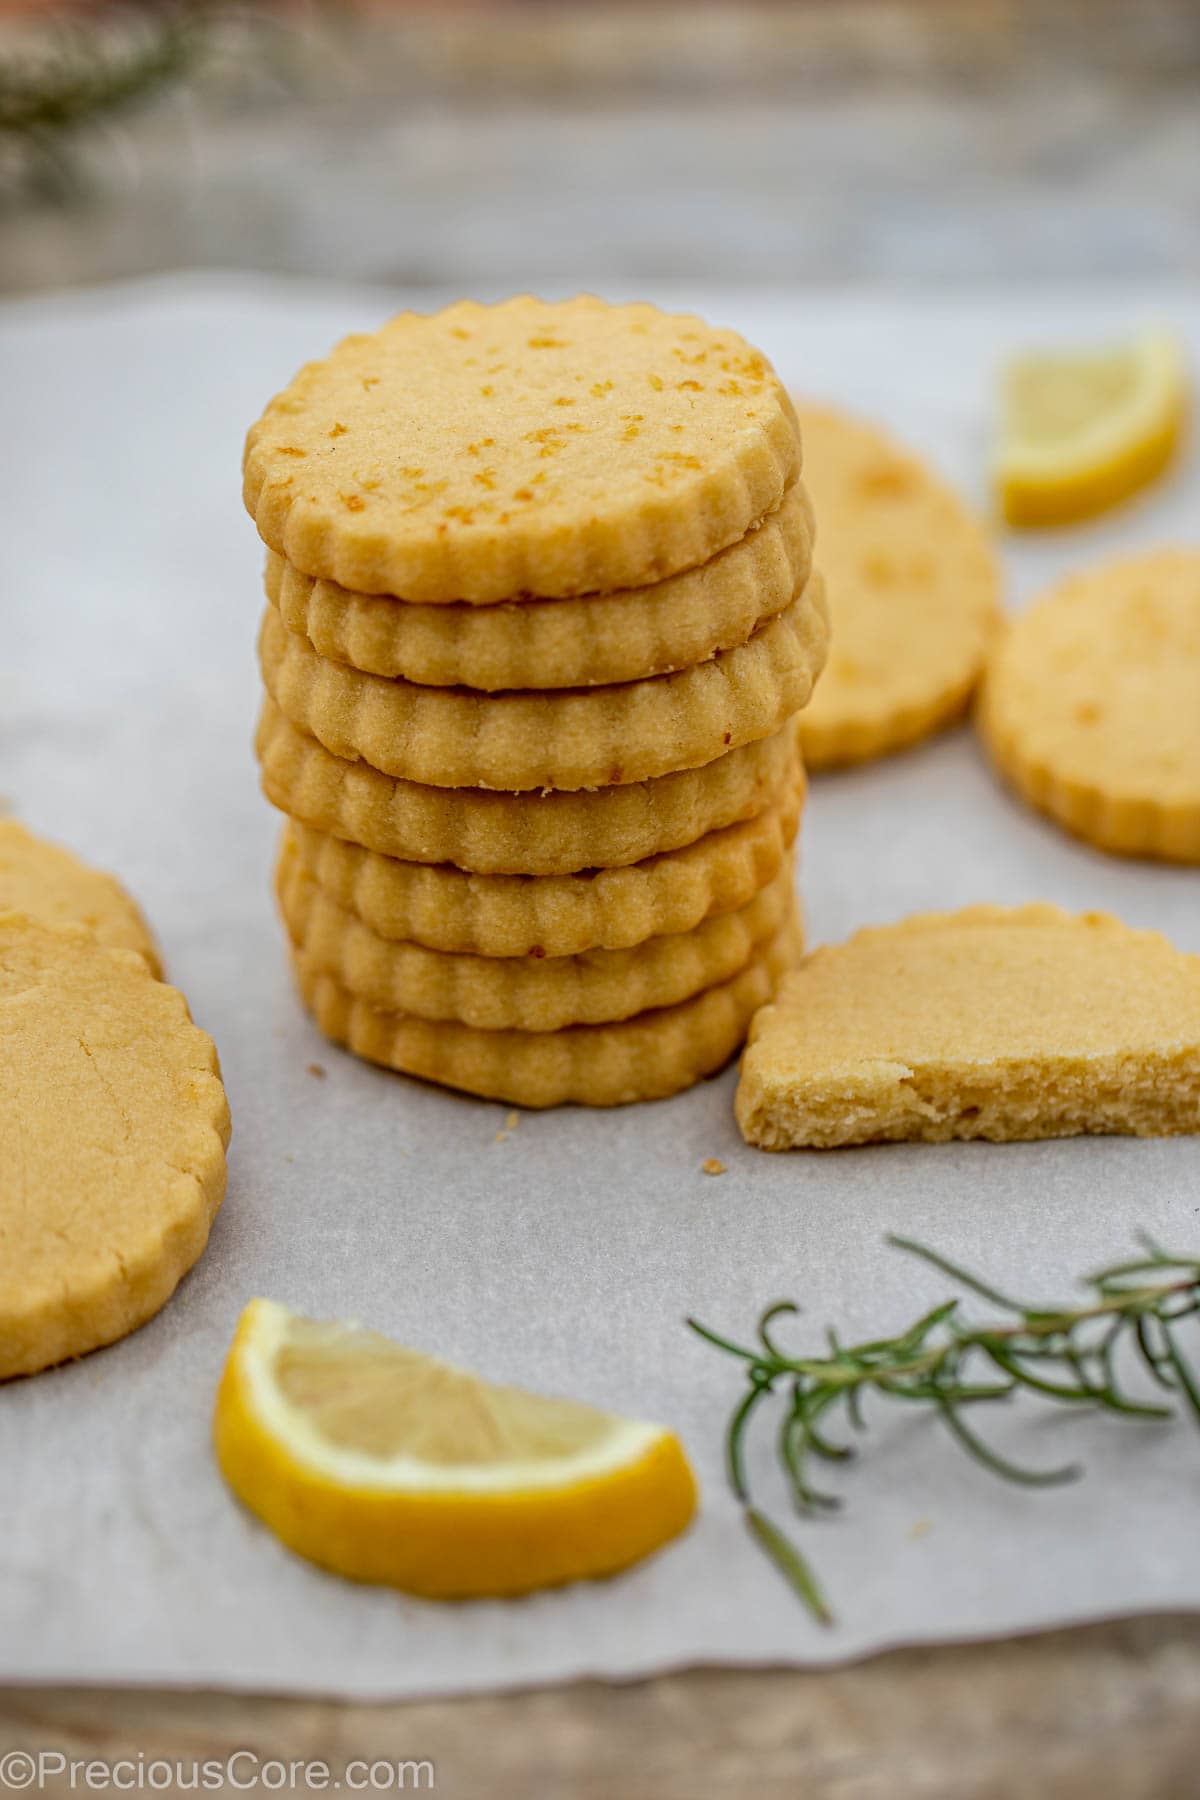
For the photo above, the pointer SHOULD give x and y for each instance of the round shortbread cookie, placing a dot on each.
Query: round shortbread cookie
(1007, 1023)
(543, 448)
(644, 1058)
(577, 738)
(448, 909)
(522, 993)
(51, 884)
(913, 587)
(591, 640)
(113, 1127)
(1091, 705)
(514, 834)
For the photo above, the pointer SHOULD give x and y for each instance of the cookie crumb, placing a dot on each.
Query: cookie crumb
(512, 1121)
(317, 1069)
(919, 1528)
(712, 1165)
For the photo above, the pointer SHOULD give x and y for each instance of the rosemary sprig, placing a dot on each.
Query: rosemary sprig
(1067, 1354)
(77, 74)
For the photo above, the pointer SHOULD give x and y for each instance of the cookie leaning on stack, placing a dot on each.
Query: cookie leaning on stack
(541, 610)
(914, 589)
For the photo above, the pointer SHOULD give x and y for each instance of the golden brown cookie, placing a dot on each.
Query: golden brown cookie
(993, 1022)
(555, 915)
(587, 641)
(913, 587)
(1091, 705)
(522, 993)
(577, 738)
(51, 884)
(514, 834)
(545, 448)
(644, 1058)
(113, 1127)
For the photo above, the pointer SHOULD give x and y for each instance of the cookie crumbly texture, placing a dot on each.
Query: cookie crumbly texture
(587, 641)
(113, 1128)
(1091, 705)
(913, 587)
(993, 1022)
(643, 1058)
(51, 884)
(522, 993)
(542, 448)
(448, 909)
(534, 833)
(577, 738)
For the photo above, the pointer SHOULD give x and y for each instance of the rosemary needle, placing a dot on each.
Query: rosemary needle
(1062, 1353)
(790, 1561)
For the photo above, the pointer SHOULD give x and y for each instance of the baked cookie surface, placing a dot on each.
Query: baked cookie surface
(576, 738)
(992, 1022)
(544, 448)
(523, 993)
(1091, 705)
(532, 833)
(581, 642)
(51, 884)
(913, 591)
(113, 1127)
(449, 909)
(646, 1057)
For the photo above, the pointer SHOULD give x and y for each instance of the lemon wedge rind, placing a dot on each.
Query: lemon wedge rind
(444, 1529)
(1046, 475)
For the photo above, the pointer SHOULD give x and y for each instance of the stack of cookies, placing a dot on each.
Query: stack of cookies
(541, 614)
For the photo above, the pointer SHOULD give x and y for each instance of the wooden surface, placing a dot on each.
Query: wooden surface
(487, 147)
(1109, 1710)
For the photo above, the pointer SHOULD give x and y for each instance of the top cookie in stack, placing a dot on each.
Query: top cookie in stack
(541, 612)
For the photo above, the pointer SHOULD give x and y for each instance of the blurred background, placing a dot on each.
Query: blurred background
(478, 146)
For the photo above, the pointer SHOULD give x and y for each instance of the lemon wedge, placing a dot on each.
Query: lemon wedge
(1083, 431)
(390, 1466)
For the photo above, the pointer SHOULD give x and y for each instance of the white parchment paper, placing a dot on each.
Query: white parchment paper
(566, 1256)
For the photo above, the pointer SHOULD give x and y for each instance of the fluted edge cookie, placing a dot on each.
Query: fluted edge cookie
(644, 1058)
(113, 1128)
(522, 993)
(577, 738)
(513, 834)
(52, 884)
(993, 1022)
(534, 447)
(588, 641)
(913, 585)
(1090, 705)
(449, 909)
